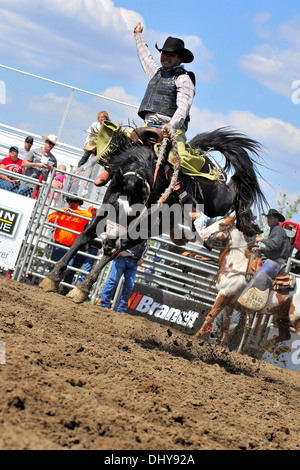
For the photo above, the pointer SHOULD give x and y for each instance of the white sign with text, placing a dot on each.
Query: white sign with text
(15, 213)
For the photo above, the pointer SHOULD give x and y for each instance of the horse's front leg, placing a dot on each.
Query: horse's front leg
(221, 302)
(51, 282)
(81, 292)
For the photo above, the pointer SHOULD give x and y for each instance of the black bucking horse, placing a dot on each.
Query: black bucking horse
(137, 181)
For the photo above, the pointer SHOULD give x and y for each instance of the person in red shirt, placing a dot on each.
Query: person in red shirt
(70, 219)
(13, 163)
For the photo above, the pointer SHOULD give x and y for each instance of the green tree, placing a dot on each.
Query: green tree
(285, 208)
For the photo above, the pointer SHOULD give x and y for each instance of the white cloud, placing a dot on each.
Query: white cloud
(98, 14)
(276, 62)
(270, 131)
(280, 142)
(88, 36)
(119, 93)
(260, 21)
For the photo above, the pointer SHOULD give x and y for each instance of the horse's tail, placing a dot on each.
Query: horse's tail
(236, 148)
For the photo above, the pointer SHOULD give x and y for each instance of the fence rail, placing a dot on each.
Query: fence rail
(49, 107)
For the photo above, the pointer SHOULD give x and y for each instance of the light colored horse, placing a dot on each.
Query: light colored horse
(235, 251)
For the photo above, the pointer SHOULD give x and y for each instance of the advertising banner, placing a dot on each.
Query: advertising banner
(285, 354)
(167, 308)
(15, 213)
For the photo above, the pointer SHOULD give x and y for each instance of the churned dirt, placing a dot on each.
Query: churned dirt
(82, 377)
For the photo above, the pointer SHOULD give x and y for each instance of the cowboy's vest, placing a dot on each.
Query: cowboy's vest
(160, 95)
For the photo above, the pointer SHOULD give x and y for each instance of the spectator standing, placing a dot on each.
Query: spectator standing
(126, 263)
(28, 142)
(90, 146)
(13, 163)
(70, 219)
(58, 182)
(41, 161)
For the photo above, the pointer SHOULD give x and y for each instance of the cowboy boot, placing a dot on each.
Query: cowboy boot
(255, 295)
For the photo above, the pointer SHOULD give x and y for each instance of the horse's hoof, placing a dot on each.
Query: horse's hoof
(268, 343)
(49, 285)
(77, 295)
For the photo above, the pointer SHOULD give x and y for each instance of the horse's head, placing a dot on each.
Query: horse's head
(218, 234)
(127, 198)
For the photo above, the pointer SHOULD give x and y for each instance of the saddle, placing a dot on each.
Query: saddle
(151, 135)
(286, 281)
(254, 297)
(281, 281)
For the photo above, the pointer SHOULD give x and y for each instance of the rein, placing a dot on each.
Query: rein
(161, 154)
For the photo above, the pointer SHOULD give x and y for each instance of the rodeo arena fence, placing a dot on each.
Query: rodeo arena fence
(175, 286)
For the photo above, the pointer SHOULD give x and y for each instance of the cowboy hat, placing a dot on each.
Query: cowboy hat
(74, 199)
(276, 214)
(177, 45)
(51, 137)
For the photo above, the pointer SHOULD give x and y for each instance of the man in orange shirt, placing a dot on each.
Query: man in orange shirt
(70, 219)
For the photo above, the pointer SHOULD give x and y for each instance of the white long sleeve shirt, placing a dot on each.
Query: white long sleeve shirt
(184, 85)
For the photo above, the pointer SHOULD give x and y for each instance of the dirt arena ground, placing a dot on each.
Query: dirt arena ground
(80, 377)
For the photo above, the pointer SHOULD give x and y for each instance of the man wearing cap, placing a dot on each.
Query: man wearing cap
(40, 161)
(13, 163)
(168, 99)
(70, 219)
(28, 142)
(276, 249)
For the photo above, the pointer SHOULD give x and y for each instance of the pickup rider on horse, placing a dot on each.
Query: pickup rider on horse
(276, 249)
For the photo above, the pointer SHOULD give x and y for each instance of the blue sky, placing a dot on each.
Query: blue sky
(247, 58)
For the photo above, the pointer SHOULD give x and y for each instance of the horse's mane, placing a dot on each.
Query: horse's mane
(251, 231)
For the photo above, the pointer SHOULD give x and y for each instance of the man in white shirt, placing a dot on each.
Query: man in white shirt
(168, 100)
(41, 161)
(174, 107)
